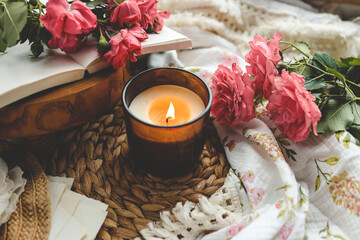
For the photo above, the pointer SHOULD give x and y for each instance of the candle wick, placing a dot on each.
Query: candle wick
(167, 120)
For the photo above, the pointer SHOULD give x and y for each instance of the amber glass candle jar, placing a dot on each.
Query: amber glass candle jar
(159, 143)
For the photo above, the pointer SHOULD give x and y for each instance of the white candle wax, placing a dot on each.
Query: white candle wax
(143, 103)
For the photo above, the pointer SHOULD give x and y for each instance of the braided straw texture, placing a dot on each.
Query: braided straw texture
(96, 155)
(32, 217)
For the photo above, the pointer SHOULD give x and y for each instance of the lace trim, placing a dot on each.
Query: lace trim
(191, 220)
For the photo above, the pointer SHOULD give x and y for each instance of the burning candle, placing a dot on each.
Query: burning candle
(165, 112)
(167, 105)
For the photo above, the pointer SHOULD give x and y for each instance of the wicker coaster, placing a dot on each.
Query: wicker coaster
(96, 155)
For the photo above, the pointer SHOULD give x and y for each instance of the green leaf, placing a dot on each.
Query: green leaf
(308, 71)
(317, 182)
(339, 135)
(281, 214)
(355, 131)
(286, 143)
(332, 161)
(353, 74)
(225, 139)
(354, 61)
(316, 95)
(3, 45)
(356, 112)
(336, 74)
(281, 136)
(337, 115)
(244, 131)
(339, 237)
(302, 68)
(346, 141)
(301, 202)
(194, 69)
(118, 1)
(285, 187)
(36, 49)
(347, 62)
(342, 78)
(326, 61)
(95, 3)
(303, 47)
(32, 29)
(13, 16)
(292, 152)
(314, 84)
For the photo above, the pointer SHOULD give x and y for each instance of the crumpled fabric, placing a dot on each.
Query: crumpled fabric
(306, 190)
(11, 186)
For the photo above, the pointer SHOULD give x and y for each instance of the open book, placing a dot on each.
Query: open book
(22, 75)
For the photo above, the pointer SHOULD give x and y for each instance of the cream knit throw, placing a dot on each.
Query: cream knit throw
(240, 20)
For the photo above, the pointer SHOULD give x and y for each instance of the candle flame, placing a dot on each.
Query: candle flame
(171, 112)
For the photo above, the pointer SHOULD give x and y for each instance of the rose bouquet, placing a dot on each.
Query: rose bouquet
(315, 92)
(118, 25)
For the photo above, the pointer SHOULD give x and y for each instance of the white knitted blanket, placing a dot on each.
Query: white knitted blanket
(276, 189)
(240, 20)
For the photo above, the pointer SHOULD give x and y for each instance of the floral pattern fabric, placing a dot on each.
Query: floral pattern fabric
(304, 190)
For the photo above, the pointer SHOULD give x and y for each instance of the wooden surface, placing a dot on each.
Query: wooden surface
(65, 106)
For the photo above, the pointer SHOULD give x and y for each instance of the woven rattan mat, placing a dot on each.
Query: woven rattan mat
(96, 155)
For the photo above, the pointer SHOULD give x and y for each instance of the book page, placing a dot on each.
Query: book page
(88, 56)
(166, 40)
(23, 75)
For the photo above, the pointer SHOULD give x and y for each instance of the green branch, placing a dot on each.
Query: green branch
(294, 46)
(321, 172)
(315, 78)
(320, 70)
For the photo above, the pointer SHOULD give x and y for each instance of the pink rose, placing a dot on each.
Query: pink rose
(233, 96)
(138, 32)
(124, 46)
(262, 59)
(148, 9)
(256, 195)
(159, 20)
(126, 12)
(234, 229)
(286, 230)
(229, 59)
(292, 107)
(67, 25)
(248, 176)
(206, 75)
